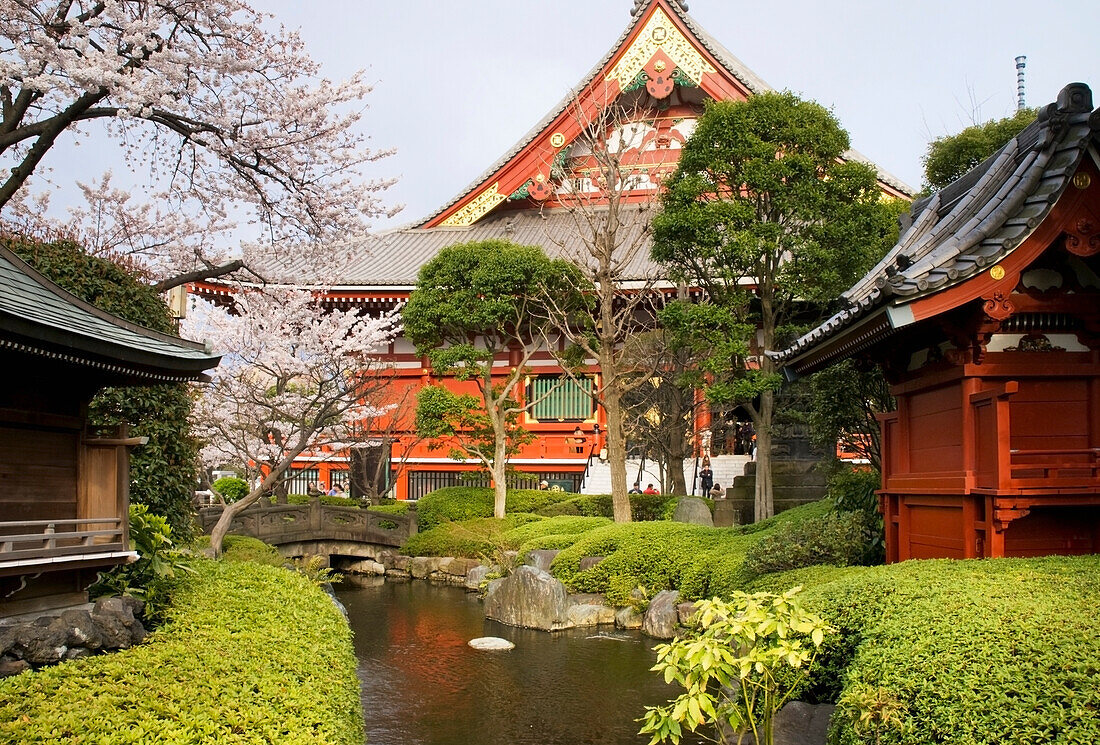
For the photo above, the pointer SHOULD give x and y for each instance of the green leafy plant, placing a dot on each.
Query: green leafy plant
(740, 661)
(231, 488)
(152, 577)
(315, 568)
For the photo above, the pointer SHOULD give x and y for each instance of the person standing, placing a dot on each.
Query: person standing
(706, 477)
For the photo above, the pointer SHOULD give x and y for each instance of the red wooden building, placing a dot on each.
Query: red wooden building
(661, 71)
(986, 318)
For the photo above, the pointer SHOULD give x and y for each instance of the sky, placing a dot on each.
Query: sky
(458, 82)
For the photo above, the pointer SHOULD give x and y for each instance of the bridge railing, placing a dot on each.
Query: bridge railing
(289, 523)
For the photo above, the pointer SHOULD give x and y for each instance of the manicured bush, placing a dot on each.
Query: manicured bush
(232, 488)
(243, 548)
(469, 538)
(643, 507)
(979, 652)
(484, 537)
(329, 499)
(836, 538)
(249, 654)
(396, 508)
(698, 561)
(853, 490)
(455, 503)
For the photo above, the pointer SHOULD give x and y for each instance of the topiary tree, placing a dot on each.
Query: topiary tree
(765, 215)
(162, 472)
(480, 312)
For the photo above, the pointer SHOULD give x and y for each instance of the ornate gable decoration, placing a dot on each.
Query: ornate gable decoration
(660, 33)
(477, 207)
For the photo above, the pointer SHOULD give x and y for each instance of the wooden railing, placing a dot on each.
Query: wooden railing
(278, 524)
(1000, 467)
(51, 539)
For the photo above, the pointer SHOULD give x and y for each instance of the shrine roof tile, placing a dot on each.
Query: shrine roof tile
(971, 224)
(38, 316)
(394, 258)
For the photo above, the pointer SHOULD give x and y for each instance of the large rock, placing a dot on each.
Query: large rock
(628, 618)
(528, 597)
(797, 723)
(587, 562)
(589, 609)
(422, 566)
(661, 617)
(476, 576)
(541, 558)
(693, 510)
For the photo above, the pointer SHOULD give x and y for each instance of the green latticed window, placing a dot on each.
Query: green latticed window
(561, 398)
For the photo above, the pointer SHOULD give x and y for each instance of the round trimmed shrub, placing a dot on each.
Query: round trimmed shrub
(232, 488)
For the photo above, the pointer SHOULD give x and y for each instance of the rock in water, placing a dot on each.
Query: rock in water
(528, 597)
(491, 644)
(693, 510)
(661, 617)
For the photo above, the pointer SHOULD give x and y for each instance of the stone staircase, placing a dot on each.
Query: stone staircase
(725, 467)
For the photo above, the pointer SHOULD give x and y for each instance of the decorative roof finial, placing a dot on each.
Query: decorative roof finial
(640, 5)
(1021, 63)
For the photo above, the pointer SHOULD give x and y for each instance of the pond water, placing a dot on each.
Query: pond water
(423, 685)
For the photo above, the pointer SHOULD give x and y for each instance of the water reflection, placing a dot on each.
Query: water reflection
(423, 685)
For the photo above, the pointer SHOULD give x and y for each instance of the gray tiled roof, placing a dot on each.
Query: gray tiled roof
(393, 259)
(974, 222)
(39, 317)
(731, 63)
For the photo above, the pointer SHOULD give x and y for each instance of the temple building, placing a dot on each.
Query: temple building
(639, 102)
(65, 496)
(986, 318)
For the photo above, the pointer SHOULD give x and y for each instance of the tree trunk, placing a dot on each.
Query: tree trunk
(616, 455)
(764, 504)
(499, 472)
(230, 511)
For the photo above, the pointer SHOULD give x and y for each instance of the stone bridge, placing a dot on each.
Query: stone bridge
(318, 529)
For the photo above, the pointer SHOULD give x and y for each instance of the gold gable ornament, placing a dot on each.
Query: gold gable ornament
(477, 208)
(660, 33)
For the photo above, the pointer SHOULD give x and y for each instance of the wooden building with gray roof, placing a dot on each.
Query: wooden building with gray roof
(64, 489)
(986, 319)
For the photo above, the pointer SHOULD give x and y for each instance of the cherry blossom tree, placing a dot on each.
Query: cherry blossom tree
(229, 118)
(296, 376)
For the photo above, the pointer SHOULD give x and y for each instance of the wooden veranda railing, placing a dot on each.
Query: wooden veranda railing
(32, 541)
(1000, 467)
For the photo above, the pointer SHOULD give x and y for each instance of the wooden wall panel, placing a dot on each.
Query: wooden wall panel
(935, 530)
(935, 430)
(1050, 415)
(38, 474)
(1063, 531)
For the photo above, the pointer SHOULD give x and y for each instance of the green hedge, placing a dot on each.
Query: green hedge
(643, 507)
(485, 536)
(978, 652)
(698, 561)
(397, 508)
(456, 503)
(243, 548)
(330, 500)
(249, 654)
(836, 539)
